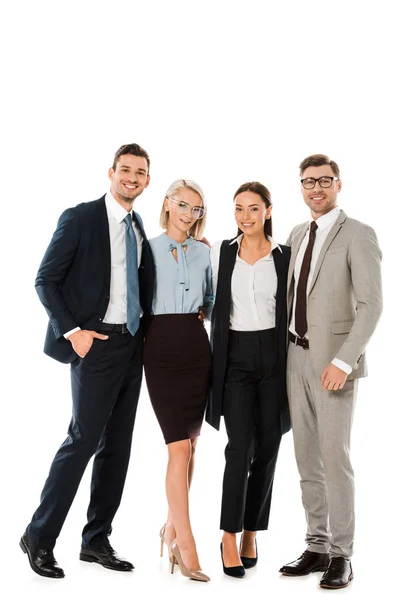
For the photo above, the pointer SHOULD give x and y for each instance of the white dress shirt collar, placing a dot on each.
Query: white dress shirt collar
(274, 244)
(118, 212)
(328, 219)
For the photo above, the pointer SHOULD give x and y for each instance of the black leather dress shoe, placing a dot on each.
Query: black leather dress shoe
(42, 560)
(238, 571)
(247, 562)
(105, 555)
(309, 562)
(338, 575)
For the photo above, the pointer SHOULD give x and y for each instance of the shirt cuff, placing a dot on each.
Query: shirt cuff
(66, 335)
(342, 365)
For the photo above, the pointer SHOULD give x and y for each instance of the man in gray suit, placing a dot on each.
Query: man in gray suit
(335, 301)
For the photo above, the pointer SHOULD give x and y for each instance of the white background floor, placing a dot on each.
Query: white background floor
(221, 92)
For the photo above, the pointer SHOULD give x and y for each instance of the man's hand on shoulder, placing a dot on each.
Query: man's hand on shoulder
(333, 378)
(82, 340)
(205, 241)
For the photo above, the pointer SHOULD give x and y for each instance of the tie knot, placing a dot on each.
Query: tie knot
(128, 219)
(313, 226)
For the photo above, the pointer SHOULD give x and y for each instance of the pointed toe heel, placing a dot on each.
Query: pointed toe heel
(237, 572)
(196, 575)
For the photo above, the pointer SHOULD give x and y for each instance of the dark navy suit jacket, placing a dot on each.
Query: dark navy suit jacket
(73, 281)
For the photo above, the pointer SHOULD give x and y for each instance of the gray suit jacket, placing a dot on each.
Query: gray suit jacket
(345, 298)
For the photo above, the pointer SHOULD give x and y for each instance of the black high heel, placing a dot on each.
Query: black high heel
(232, 571)
(250, 562)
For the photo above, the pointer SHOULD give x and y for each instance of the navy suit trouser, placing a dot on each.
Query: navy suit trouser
(105, 393)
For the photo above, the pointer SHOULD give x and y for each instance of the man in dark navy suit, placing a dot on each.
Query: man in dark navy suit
(98, 299)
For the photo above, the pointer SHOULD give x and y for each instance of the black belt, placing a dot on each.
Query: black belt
(299, 341)
(114, 328)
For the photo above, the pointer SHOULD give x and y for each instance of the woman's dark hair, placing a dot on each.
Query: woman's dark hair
(263, 192)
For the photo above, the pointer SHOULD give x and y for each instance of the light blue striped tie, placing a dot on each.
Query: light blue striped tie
(132, 279)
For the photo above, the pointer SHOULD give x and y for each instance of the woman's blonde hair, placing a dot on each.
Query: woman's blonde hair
(197, 229)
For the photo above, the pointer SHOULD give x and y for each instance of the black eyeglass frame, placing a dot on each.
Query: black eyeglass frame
(318, 181)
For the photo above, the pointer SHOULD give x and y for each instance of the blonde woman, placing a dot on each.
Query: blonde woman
(177, 355)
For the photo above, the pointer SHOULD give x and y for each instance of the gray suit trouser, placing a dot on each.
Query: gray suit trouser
(321, 422)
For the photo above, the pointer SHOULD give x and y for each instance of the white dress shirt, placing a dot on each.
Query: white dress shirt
(116, 310)
(253, 291)
(325, 224)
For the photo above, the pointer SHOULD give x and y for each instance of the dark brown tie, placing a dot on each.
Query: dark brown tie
(300, 315)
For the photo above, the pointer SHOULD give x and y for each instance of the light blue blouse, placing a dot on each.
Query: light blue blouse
(181, 286)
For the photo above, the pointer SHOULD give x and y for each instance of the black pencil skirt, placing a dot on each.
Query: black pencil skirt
(177, 364)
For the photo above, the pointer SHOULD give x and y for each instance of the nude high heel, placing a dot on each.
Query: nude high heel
(177, 559)
(162, 542)
(162, 539)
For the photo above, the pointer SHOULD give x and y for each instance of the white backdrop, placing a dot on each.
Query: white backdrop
(220, 92)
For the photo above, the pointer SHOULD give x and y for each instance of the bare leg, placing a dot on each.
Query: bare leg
(177, 487)
(248, 545)
(193, 443)
(170, 532)
(230, 552)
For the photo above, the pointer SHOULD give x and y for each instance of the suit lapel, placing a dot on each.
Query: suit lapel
(139, 223)
(331, 236)
(103, 232)
(281, 289)
(226, 265)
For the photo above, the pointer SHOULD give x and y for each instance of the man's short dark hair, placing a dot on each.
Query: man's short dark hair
(318, 160)
(133, 149)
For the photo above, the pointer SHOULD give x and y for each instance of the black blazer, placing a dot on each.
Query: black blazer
(73, 281)
(220, 331)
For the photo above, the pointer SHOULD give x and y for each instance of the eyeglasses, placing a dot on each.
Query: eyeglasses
(309, 182)
(183, 208)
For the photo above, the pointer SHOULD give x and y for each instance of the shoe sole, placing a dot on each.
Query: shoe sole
(336, 587)
(317, 570)
(91, 559)
(35, 569)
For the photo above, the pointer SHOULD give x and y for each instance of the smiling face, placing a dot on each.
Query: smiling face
(181, 219)
(251, 213)
(129, 179)
(320, 200)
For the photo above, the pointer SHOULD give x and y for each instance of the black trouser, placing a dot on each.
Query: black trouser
(105, 392)
(252, 421)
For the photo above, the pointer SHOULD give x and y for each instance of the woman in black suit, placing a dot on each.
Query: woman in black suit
(248, 337)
